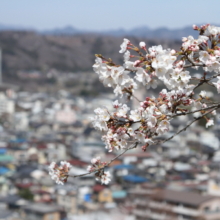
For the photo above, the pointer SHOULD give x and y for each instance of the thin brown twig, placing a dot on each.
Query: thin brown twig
(183, 129)
(192, 63)
(202, 109)
(136, 98)
(102, 168)
(206, 81)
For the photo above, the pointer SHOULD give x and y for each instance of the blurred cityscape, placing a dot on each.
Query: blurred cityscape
(47, 94)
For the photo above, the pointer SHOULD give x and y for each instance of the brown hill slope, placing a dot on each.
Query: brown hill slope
(32, 51)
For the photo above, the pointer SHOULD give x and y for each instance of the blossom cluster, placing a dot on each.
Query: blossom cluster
(148, 68)
(152, 117)
(166, 65)
(98, 167)
(60, 173)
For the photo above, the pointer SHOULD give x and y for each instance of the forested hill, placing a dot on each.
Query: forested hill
(23, 50)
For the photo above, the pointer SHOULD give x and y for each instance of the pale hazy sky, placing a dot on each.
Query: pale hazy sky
(108, 14)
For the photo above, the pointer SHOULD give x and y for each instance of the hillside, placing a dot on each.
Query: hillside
(24, 50)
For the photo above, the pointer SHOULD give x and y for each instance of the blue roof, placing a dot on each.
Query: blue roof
(6, 158)
(3, 170)
(124, 166)
(3, 150)
(87, 197)
(119, 194)
(135, 179)
(18, 140)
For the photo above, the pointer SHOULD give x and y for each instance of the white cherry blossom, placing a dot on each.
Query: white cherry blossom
(142, 76)
(202, 94)
(124, 45)
(122, 111)
(135, 115)
(212, 31)
(151, 122)
(105, 178)
(163, 127)
(217, 84)
(209, 123)
(127, 56)
(142, 44)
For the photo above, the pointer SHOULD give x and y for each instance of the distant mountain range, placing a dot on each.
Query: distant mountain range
(144, 31)
(14, 28)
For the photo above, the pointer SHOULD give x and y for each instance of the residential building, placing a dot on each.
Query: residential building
(159, 204)
(36, 211)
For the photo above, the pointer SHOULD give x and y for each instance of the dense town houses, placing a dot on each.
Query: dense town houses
(176, 180)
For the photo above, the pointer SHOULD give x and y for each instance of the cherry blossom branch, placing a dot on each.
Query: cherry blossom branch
(192, 63)
(199, 110)
(136, 98)
(184, 129)
(106, 165)
(136, 143)
(152, 116)
(204, 80)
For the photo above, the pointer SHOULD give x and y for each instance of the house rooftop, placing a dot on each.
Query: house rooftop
(5, 214)
(174, 196)
(42, 208)
(188, 198)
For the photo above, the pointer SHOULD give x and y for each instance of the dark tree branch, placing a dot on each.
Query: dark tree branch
(184, 129)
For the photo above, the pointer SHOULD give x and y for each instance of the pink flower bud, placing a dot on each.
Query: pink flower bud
(172, 52)
(184, 39)
(142, 45)
(195, 27)
(144, 147)
(136, 63)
